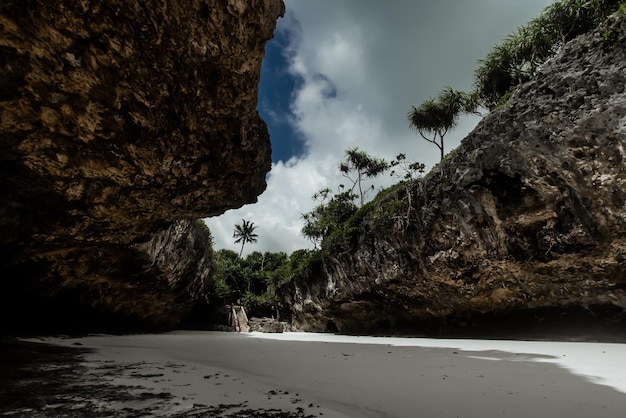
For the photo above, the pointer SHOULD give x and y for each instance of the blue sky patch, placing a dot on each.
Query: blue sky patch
(276, 90)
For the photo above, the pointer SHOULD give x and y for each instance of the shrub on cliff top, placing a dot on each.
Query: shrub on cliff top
(518, 58)
(435, 117)
(325, 223)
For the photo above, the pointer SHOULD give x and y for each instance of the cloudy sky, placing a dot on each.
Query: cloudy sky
(341, 74)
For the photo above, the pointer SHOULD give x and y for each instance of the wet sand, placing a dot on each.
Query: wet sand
(205, 374)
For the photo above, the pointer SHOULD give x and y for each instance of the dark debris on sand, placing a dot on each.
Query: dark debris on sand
(39, 380)
(238, 411)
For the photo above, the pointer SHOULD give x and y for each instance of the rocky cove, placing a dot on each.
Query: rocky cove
(117, 140)
(125, 122)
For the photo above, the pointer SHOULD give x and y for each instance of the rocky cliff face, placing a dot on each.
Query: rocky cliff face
(119, 118)
(525, 221)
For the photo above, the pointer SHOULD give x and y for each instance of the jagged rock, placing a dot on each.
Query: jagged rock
(526, 219)
(119, 118)
(183, 254)
(267, 325)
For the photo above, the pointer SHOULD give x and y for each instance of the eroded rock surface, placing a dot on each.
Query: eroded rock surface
(119, 118)
(526, 219)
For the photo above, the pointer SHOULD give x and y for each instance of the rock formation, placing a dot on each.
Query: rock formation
(118, 119)
(525, 220)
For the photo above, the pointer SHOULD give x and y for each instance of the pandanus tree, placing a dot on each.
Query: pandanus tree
(244, 233)
(435, 117)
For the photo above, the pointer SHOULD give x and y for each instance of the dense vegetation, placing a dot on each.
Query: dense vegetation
(518, 57)
(257, 280)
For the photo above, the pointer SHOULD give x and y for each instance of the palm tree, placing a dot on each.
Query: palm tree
(245, 233)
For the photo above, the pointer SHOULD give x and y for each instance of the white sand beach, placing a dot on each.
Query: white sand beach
(342, 376)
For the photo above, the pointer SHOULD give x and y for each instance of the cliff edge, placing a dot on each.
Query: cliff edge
(525, 221)
(121, 121)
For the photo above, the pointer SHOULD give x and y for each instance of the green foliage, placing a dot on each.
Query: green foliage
(252, 300)
(251, 281)
(326, 222)
(389, 210)
(204, 230)
(266, 261)
(203, 227)
(358, 166)
(504, 99)
(518, 58)
(435, 117)
(303, 265)
(336, 223)
(228, 279)
(610, 39)
(217, 289)
(222, 289)
(384, 216)
(622, 9)
(328, 217)
(405, 170)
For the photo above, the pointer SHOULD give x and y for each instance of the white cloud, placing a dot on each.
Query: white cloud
(363, 63)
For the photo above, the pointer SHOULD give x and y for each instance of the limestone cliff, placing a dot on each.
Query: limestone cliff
(525, 220)
(117, 119)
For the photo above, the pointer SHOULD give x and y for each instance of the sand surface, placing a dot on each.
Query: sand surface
(207, 374)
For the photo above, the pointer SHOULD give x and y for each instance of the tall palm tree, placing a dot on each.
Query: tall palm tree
(244, 233)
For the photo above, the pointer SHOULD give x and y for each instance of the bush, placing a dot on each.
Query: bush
(518, 58)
